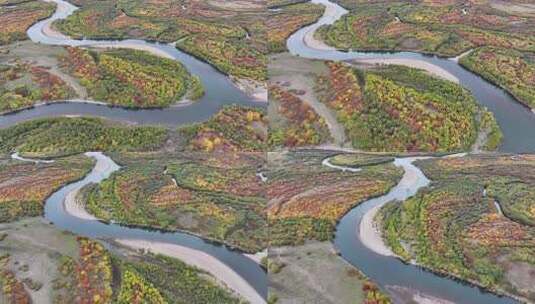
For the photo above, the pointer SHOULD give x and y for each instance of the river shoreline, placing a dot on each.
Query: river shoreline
(345, 235)
(501, 86)
(179, 104)
(76, 208)
(370, 234)
(220, 89)
(513, 117)
(249, 87)
(371, 237)
(367, 232)
(102, 168)
(201, 260)
(331, 14)
(413, 63)
(80, 212)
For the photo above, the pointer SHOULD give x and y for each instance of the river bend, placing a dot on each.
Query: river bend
(219, 89)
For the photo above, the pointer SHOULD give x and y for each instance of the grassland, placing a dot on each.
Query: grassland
(445, 28)
(24, 187)
(512, 70)
(233, 129)
(475, 222)
(215, 195)
(130, 78)
(383, 108)
(395, 108)
(52, 137)
(42, 264)
(230, 36)
(359, 160)
(23, 85)
(306, 199)
(17, 16)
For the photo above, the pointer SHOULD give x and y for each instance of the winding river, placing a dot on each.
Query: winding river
(219, 89)
(242, 273)
(515, 120)
(387, 270)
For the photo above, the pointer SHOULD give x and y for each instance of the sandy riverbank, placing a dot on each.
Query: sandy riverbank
(51, 32)
(369, 232)
(257, 257)
(314, 43)
(193, 257)
(333, 12)
(76, 208)
(371, 235)
(330, 15)
(134, 46)
(400, 294)
(202, 261)
(413, 63)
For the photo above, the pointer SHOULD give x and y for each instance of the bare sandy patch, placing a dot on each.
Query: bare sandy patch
(134, 46)
(75, 207)
(371, 235)
(511, 7)
(332, 13)
(413, 63)
(35, 248)
(255, 89)
(238, 5)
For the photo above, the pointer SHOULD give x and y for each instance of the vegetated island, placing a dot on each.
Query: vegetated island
(475, 222)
